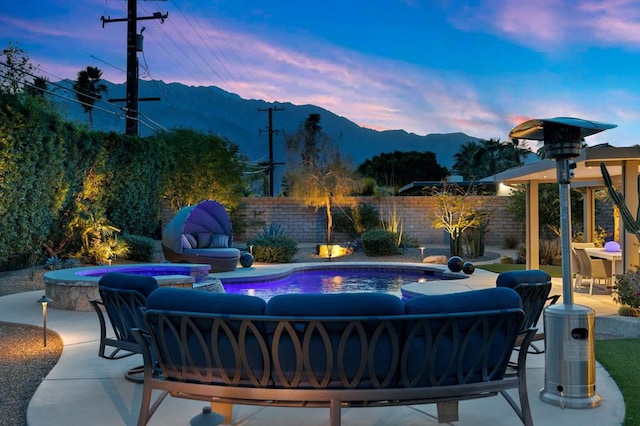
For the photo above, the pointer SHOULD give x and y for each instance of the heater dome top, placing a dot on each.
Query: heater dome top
(534, 129)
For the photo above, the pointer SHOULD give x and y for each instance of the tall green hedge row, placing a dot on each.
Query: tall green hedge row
(52, 170)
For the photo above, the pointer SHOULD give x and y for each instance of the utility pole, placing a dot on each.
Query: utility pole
(270, 130)
(134, 45)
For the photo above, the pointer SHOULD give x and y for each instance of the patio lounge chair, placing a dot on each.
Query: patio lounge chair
(534, 287)
(123, 296)
(201, 234)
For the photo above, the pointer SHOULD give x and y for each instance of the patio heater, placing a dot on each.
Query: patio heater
(569, 328)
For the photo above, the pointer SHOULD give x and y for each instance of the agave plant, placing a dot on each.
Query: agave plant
(631, 224)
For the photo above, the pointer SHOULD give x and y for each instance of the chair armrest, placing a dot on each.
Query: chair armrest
(143, 338)
(551, 300)
(96, 304)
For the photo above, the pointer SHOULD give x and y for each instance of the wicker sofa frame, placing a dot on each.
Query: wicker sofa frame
(334, 362)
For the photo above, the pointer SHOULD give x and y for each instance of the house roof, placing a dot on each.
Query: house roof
(586, 173)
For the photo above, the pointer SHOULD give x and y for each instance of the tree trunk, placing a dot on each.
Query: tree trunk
(327, 204)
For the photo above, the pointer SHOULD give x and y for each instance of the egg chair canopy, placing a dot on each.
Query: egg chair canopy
(201, 220)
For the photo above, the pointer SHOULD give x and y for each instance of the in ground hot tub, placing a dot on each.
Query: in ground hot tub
(71, 289)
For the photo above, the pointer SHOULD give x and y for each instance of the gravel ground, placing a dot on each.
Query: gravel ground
(25, 361)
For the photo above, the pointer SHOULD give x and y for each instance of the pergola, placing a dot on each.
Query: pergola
(623, 164)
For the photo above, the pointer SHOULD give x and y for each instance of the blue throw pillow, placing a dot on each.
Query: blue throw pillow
(219, 241)
(204, 239)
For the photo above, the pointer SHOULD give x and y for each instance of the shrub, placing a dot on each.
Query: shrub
(140, 248)
(627, 289)
(273, 249)
(628, 311)
(273, 246)
(379, 242)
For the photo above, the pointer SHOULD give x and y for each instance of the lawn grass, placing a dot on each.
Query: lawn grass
(554, 271)
(617, 357)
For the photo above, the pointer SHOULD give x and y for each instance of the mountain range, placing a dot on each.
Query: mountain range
(245, 122)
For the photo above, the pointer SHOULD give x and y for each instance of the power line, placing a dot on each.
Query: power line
(77, 101)
(134, 45)
(271, 131)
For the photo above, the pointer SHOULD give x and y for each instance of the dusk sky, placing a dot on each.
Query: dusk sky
(425, 66)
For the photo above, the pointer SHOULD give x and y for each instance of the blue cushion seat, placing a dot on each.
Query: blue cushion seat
(512, 278)
(219, 253)
(188, 300)
(488, 299)
(143, 284)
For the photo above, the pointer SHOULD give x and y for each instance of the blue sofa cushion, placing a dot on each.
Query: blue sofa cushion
(323, 354)
(469, 301)
(513, 278)
(335, 304)
(143, 284)
(188, 300)
(445, 350)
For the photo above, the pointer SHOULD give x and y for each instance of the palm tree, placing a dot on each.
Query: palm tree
(88, 90)
(476, 160)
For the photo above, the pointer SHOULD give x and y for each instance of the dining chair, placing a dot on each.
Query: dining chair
(597, 270)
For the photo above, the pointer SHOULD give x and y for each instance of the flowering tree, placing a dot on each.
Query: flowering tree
(456, 211)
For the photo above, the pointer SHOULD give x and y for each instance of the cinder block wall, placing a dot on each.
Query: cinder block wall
(306, 224)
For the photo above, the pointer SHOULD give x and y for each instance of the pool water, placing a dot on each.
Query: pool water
(335, 281)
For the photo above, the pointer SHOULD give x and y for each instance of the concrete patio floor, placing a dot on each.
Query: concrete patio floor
(85, 389)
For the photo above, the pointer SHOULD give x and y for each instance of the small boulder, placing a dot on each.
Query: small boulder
(438, 260)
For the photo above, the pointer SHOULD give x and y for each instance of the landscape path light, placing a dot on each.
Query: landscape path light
(44, 300)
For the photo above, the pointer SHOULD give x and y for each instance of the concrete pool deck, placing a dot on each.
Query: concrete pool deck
(85, 389)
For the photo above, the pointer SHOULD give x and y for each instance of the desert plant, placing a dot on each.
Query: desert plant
(379, 242)
(474, 237)
(549, 249)
(99, 241)
(273, 230)
(54, 263)
(391, 221)
(631, 224)
(627, 289)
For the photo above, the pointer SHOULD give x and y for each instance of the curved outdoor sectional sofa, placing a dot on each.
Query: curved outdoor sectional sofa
(201, 234)
(334, 350)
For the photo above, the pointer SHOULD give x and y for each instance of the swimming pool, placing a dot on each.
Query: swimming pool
(335, 280)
